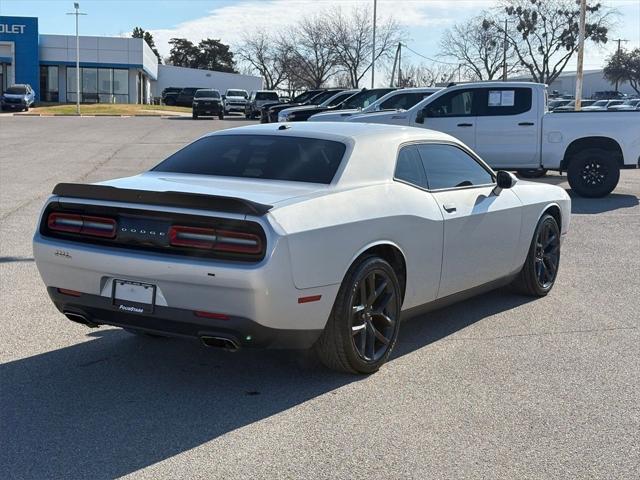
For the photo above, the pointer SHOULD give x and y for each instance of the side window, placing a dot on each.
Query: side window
(409, 167)
(448, 166)
(452, 104)
(504, 101)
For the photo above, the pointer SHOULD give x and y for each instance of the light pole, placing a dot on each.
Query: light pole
(373, 42)
(580, 69)
(77, 13)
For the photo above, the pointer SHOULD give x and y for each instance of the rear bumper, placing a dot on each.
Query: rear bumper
(183, 323)
(205, 110)
(260, 299)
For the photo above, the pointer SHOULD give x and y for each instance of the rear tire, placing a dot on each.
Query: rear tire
(221, 116)
(194, 116)
(540, 269)
(593, 172)
(364, 322)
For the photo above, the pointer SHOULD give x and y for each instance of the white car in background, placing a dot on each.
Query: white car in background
(235, 100)
(357, 103)
(299, 235)
(627, 105)
(602, 105)
(401, 99)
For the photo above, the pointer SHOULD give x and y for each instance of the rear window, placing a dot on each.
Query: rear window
(266, 157)
(16, 90)
(267, 96)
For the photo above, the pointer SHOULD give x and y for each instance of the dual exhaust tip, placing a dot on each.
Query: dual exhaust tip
(224, 343)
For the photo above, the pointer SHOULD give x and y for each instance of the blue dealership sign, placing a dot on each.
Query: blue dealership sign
(22, 34)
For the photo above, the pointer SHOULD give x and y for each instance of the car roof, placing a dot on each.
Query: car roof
(372, 149)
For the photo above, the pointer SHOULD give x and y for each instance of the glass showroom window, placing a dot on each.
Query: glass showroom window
(49, 83)
(103, 85)
(89, 80)
(121, 85)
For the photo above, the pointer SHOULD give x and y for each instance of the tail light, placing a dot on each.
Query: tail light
(218, 240)
(82, 224)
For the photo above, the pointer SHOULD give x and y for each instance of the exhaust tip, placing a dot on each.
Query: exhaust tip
(79, 318)
(220, 342)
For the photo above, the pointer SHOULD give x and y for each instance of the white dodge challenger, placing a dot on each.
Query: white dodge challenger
(298, 235)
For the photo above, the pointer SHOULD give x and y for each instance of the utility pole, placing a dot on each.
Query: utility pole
(619, 40)
(77, 13)
(373, 43)
(504, 57)
(400, 65)
(395, 63)
(580, 70)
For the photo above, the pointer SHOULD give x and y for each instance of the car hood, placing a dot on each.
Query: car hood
(398, 117)
(270, 192)
(15, 96)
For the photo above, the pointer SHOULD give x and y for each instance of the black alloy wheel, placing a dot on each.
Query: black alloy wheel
(540, 269)
(364, 323)
(593, 172)
(372, 319)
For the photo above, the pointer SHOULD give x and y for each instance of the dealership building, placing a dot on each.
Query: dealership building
(112, 69)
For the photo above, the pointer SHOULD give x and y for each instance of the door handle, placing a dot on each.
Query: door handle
(526, 124)
(465, 124)
(449, 207)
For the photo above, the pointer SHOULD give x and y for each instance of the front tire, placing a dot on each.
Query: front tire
(593, 173)
(194, 116)
(364, 322)
(538, 275)
(221, 116)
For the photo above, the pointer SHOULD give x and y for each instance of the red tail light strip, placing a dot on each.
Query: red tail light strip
(83, 224)
(212, 315)
(219, 240)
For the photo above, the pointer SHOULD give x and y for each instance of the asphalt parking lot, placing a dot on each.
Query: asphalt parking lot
(500, 386)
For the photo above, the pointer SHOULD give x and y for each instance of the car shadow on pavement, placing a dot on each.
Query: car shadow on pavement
(117, 403)
(613, 201)
(203, 119)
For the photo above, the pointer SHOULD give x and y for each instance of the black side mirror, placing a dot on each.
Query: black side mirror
(420, 116)
(504, 180)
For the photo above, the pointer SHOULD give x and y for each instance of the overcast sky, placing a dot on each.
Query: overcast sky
(424, 20)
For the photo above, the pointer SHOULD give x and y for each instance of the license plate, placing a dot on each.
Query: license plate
(133, 297)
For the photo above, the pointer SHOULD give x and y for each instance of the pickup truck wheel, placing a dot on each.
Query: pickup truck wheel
(221, 116)
(540, 268)
(364, 323)
(194, 116)
(532, 173)
(593, 172)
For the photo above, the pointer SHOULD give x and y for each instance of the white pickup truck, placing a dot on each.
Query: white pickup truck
(509, 126)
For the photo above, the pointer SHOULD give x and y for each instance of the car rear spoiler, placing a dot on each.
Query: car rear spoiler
(196, 201)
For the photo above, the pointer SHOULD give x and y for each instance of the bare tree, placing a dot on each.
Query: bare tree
(426, 75)
(267, 56)
(480, 49)
(312, 59)
(350, 38)
(544, 33)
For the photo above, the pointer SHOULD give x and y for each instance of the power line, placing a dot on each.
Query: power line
(428, 58)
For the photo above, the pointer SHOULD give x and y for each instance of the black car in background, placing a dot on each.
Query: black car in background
(183, 98)
(207, 102)
(298, 100)
(302, 113)
(169, 94)
(317, 99)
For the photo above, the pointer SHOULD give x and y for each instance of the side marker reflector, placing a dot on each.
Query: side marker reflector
(312, 298)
